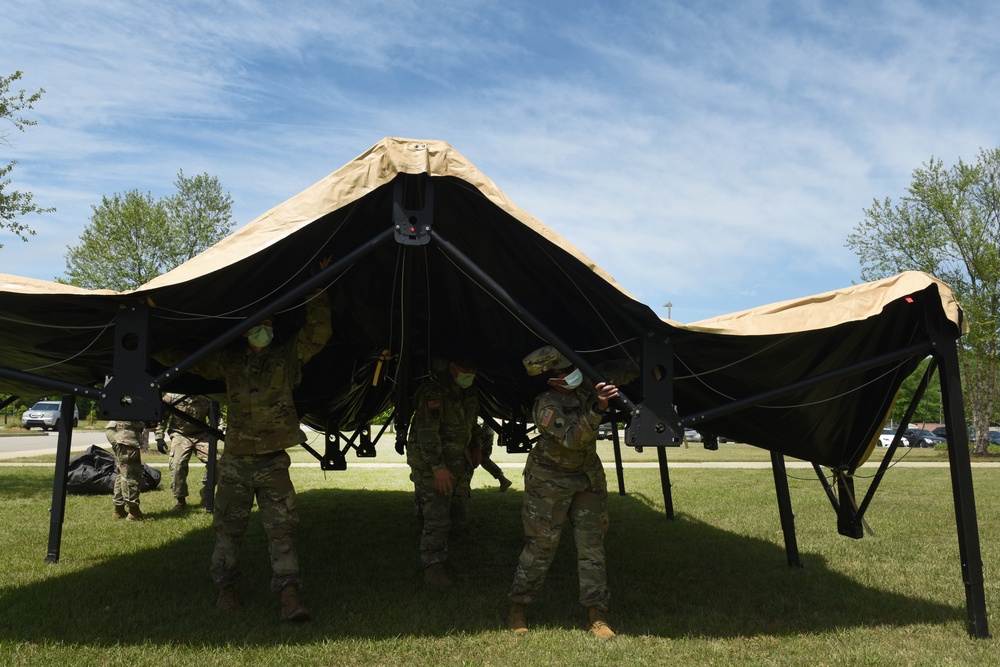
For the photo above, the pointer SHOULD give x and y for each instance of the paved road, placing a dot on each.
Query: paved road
(38, 443)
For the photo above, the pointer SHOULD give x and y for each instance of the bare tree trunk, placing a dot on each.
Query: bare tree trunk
(979, 398)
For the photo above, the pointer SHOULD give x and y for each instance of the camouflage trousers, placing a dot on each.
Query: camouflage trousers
(491, 467)
(550, 499)
(241, 479)
(129, 463)
(181, 449)
(441, 514)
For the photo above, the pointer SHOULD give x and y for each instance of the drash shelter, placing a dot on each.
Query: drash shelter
(430, 260)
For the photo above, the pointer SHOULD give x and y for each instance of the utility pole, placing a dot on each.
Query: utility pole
(668, 305)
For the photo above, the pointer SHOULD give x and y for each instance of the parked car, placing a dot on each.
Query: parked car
(604, 431)
(941, 431)
(888, 434)
(692, 435)
(45, 415)
(921, 437)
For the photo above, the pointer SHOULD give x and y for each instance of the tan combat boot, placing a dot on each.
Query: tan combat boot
(227, 600)
(180, 505)
(504, 484)
(135, 514)
(517, 619)
(291, 609)
(435, 575)
(597, 623)
(119, 512)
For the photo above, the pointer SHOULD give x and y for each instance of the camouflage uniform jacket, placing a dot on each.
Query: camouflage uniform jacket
(125, 433)
(196, 407)
(445, 425)
(261, 416)
(568, 425)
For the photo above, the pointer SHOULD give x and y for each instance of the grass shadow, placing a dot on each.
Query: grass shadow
(358, 551)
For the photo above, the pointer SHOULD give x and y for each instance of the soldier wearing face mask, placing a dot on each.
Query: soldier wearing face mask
(564, 482)
(262, 422)
(443, 448)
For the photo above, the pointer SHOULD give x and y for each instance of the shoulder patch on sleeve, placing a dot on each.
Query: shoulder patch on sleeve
(547, 414)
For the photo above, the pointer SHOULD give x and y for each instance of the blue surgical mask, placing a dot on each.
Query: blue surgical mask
(260, 335)
(574, 379)
(464, 380)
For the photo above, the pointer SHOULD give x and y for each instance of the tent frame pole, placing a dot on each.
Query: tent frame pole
(617, 444)
(322, 277)
(668, 499)
(897, 438)
(534, 324)
(785, 512)
(960, 465)
(57, 511)
(751, 401)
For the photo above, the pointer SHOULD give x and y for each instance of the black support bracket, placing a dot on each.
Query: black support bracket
(412, 215)
(655, 422)
(132, 393)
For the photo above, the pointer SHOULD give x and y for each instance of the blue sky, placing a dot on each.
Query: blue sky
(711, 154)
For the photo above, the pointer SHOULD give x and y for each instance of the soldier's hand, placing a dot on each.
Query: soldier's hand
(443, 481)
(323, 263)
(605, 392)
(161, 445)
(477, 457)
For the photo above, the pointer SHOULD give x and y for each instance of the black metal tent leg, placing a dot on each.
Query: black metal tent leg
(214, 414)
(619, 468)
(964, 497)
(668, 501)
(58, 509)
(785, 509)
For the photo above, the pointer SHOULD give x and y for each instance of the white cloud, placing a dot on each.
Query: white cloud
(715, 156)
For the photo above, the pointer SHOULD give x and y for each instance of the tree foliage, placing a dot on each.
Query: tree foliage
(930, 409)
(132, 238)
(14, 203)
(200, 214)
(948, 225)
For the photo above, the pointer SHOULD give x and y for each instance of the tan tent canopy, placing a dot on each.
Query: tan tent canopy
(489, 282)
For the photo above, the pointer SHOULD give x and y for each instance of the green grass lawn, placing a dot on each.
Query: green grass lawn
(711, 587)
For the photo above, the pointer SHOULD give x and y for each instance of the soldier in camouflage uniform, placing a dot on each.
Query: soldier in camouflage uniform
(443, 448)
(262, 423)
(487, 459)
(124, 438)
(564, 480)
(186, 438)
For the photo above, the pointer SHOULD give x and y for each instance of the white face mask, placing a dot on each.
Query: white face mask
(464, 380)
(260, 335)
(574, 379)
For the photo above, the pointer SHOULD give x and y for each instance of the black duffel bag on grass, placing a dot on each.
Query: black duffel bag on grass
(94, 472)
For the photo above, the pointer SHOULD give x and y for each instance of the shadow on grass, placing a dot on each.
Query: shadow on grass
(16, 483)
(363, 581)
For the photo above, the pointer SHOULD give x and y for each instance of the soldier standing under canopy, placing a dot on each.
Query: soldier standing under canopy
(262, 422)
(489, 465)
(443, 448)
(124, 437)
(186, 438)
(564, 480)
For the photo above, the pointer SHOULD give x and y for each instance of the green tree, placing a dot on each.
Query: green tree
(948, 225)
(930, 409)
(133, 238)
(200, 214)
(14, 203)
(123, 246)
